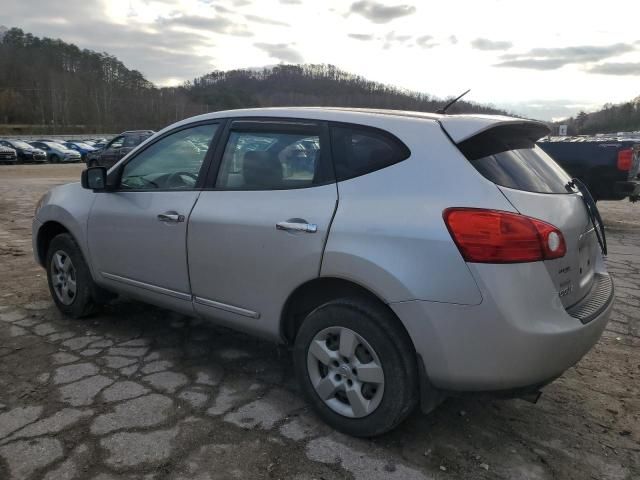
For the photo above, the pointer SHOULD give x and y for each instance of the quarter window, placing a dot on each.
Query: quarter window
(270, 160)
(361, 150)
(171, 163)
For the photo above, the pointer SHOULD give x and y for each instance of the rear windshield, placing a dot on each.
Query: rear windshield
(509, 157)
(528, 169)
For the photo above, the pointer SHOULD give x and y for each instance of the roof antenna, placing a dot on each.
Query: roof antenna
(444, 109)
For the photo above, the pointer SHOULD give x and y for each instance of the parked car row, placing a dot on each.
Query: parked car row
(40, 151)
(94, 152)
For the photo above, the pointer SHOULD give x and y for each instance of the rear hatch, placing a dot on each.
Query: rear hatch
(505, 153)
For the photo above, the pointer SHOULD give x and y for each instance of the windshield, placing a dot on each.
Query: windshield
(528, 169)
(508, 156)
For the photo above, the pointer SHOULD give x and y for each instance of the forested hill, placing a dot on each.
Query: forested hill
(623, 117)
(48, 85)
(310, 85)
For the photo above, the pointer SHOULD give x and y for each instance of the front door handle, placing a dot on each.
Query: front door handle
(171, 217)
(297, 227)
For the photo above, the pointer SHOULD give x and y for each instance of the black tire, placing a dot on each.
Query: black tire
(83, 302)
(54, 159)
(381, 329)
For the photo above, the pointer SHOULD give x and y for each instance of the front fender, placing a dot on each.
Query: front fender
(69, 206)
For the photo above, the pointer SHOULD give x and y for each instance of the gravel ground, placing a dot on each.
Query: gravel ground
(137, 392)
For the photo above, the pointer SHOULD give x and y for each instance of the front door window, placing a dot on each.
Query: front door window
(172, 163)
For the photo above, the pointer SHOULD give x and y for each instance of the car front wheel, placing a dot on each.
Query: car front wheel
(356, 366)
(69, 279)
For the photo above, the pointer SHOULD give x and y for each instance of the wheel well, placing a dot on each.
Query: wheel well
(314, 293)
(48, 232)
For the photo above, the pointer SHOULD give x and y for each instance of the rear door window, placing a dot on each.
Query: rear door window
(509, 157)
(271, 156)
(359, 150)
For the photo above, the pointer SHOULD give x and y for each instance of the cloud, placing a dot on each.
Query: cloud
(614, 68)
(158, 51)
(426, 41)
(582, 53)
(379, 13)
(280, 51)
(554, 58)
(216, 24)
(534, 63)
(266, 21)
(365, 37)
(486, 44)
(392, 39)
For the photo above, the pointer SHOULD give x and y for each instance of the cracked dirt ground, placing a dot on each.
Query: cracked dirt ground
(140, 392)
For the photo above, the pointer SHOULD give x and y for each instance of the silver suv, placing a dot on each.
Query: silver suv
(404, 256)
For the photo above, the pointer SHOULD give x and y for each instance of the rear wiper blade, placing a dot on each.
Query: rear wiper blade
(592, 211)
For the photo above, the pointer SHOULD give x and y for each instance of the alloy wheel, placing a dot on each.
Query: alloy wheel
(345, 372)
(63, 277)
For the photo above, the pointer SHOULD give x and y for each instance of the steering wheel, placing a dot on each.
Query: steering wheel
(181, 179)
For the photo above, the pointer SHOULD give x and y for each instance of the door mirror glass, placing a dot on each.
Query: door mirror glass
(94, 178)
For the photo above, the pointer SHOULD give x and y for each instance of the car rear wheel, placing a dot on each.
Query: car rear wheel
(356, 366)
(70, 282)
(54, 159)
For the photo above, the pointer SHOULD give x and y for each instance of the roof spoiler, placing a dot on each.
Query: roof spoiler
(462, 127)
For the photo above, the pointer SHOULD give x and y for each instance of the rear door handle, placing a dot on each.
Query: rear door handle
(172, 217)
(297, 227)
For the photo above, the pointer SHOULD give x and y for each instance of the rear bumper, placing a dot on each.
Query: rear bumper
(519, 336)
(630, 188)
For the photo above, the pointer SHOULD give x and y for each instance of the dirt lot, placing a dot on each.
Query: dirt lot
(139, 392)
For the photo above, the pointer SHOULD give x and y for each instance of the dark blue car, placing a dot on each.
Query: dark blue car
(80, 147)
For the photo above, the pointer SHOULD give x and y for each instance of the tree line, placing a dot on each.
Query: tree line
(50, 86)
(623, 117)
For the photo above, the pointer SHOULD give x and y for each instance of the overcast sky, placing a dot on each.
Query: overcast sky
(546, 59)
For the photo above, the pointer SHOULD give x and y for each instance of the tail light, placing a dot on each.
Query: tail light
(493, 236)
(625, 159)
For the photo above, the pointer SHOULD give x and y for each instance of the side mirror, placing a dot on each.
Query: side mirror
(94, 178)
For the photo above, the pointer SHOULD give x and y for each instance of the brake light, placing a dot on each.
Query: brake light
(625, 159)
(494, 236)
